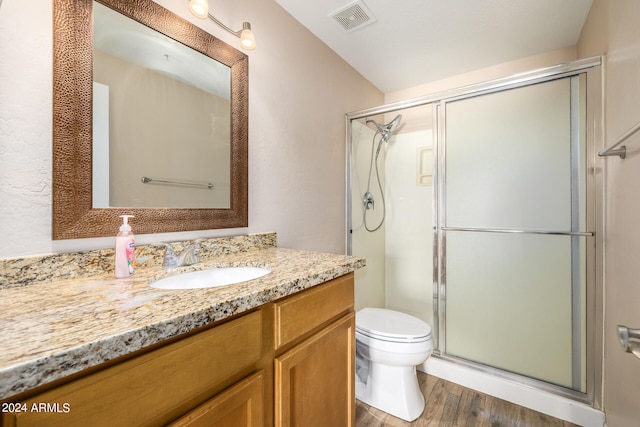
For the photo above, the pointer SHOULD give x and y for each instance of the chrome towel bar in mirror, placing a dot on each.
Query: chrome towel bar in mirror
(147, 180)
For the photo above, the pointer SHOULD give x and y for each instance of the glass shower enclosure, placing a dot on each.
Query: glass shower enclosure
(488, 214)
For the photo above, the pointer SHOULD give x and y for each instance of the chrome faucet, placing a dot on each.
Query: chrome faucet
(188, 255)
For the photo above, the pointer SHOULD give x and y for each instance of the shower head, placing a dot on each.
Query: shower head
(385, 130)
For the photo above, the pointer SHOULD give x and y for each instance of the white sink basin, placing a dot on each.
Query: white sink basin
(210, 278)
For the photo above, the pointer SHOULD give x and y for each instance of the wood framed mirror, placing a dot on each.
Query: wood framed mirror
(74, 215)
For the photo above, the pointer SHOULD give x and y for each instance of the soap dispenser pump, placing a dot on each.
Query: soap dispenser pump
(125, 249)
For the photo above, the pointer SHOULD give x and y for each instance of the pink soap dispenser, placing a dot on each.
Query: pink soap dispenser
(125, 250)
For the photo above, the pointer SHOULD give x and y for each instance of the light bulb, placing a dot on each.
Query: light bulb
(247, 40)
(199, 8)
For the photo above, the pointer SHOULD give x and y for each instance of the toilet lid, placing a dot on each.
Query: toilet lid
(391, 325)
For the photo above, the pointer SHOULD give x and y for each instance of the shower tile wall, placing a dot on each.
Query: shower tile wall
(369, 281)
(399, 255)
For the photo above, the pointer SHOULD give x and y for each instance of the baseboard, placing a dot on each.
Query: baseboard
(520, 394)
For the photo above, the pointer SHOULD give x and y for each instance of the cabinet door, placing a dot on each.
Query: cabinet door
(239, 406)
(314, 381)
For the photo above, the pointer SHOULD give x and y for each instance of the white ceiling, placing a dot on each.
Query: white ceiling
(413, 42)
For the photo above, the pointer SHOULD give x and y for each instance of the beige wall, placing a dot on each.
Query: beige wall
(612, 28)
(485, 74)
(299, 91)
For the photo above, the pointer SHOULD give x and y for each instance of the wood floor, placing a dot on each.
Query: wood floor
(449, 404)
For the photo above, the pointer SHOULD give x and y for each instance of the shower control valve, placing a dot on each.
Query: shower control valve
(368, 201)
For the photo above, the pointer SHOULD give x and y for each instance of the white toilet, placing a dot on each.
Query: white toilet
(389, 345)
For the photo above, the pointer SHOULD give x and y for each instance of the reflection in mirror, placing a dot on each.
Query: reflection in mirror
(74, 214)
(161, 119)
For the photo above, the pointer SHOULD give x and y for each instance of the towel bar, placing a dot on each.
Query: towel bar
(147, 180)
(622, 151)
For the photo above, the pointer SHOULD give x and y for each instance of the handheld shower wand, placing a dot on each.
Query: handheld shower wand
(385, 130)
(368, 201)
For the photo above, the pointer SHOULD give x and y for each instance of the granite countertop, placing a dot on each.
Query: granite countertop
(57, 328)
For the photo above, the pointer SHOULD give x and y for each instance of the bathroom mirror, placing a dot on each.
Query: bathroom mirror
(74, 212)
(179, 98)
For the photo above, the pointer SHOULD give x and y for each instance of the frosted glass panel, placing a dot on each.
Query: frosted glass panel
(514, 160)
(408, 228)
(508, 159)
(509, 302)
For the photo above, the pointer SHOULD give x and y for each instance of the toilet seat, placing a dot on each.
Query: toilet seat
(393, 326)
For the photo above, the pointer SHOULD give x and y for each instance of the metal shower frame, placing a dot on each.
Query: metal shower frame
(591, 67)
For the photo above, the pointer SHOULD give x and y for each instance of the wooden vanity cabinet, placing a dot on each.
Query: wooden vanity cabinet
(290, 361)
(156, 387)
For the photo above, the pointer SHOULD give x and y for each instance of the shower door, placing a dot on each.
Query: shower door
(513, 230)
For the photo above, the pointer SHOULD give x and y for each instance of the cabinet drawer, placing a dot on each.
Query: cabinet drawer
(241, 405)
(302, 312)
(155, 387)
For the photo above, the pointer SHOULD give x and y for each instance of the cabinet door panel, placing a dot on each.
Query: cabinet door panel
(239, 406)
(314, 381)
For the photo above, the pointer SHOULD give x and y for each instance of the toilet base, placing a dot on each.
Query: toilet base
(392, 389)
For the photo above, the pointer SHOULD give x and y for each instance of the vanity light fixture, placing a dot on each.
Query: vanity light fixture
(200, 8)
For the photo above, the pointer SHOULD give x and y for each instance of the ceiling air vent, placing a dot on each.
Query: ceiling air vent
(353, 17)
